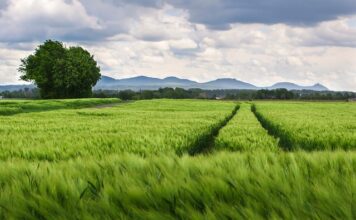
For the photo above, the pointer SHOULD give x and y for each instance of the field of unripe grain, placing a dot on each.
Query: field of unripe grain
(177, 159)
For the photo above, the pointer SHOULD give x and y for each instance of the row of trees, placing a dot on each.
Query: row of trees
(171, 93)
(22, 94)
(178, 93)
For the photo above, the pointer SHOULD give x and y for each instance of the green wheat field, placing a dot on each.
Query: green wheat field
(177, 159)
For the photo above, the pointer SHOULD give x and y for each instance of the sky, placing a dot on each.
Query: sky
(257, 41)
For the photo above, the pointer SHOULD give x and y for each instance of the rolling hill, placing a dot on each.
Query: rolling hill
(292, 86)
(151, 83)
(144, 82)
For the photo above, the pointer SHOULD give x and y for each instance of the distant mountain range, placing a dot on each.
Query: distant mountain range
(150, 83)
(15, 87)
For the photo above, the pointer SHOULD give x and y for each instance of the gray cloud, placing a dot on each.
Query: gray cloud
(3, 4)
(219, 14)
(26, 21)
(73, 20)
(96, 20)
(143, 3)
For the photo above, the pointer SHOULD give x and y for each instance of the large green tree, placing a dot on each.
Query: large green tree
(61, 72)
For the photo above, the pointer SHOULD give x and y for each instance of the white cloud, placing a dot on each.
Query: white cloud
(9, 63)
(182, 44)
(162, 24)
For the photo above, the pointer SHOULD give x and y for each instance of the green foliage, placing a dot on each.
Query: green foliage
(61, 72)
(310, 125)
(274, 94)
(8, 110)
(245, 133)
(221, 186)
(25, 93)
(228, 94)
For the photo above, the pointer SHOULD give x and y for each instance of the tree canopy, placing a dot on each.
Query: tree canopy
(61, 72)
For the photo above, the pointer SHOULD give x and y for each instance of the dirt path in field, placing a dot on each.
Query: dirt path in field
(111, 105)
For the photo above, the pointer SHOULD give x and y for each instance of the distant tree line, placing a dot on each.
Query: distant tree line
(25, 93)
(179, 93)
(170, 93)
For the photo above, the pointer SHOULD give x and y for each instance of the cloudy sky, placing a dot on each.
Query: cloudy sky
(258, 41)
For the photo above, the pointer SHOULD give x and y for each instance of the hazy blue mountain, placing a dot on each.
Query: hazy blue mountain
(106, 80)
(292, 86)
(139, 80)
(150, 83)
(143, 82)
(175, 80)
(14, 87)
(227, 83)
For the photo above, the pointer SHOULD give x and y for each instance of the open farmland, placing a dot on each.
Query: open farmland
(143, 127)
(179, 159)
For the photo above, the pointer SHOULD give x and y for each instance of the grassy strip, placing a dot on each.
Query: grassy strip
(10, 110)
(206, 141)
(274, 130)
(310, 126)
(258, 185)
(11, 107)
(245, 133)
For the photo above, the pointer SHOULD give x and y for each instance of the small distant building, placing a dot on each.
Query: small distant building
(1, 97)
